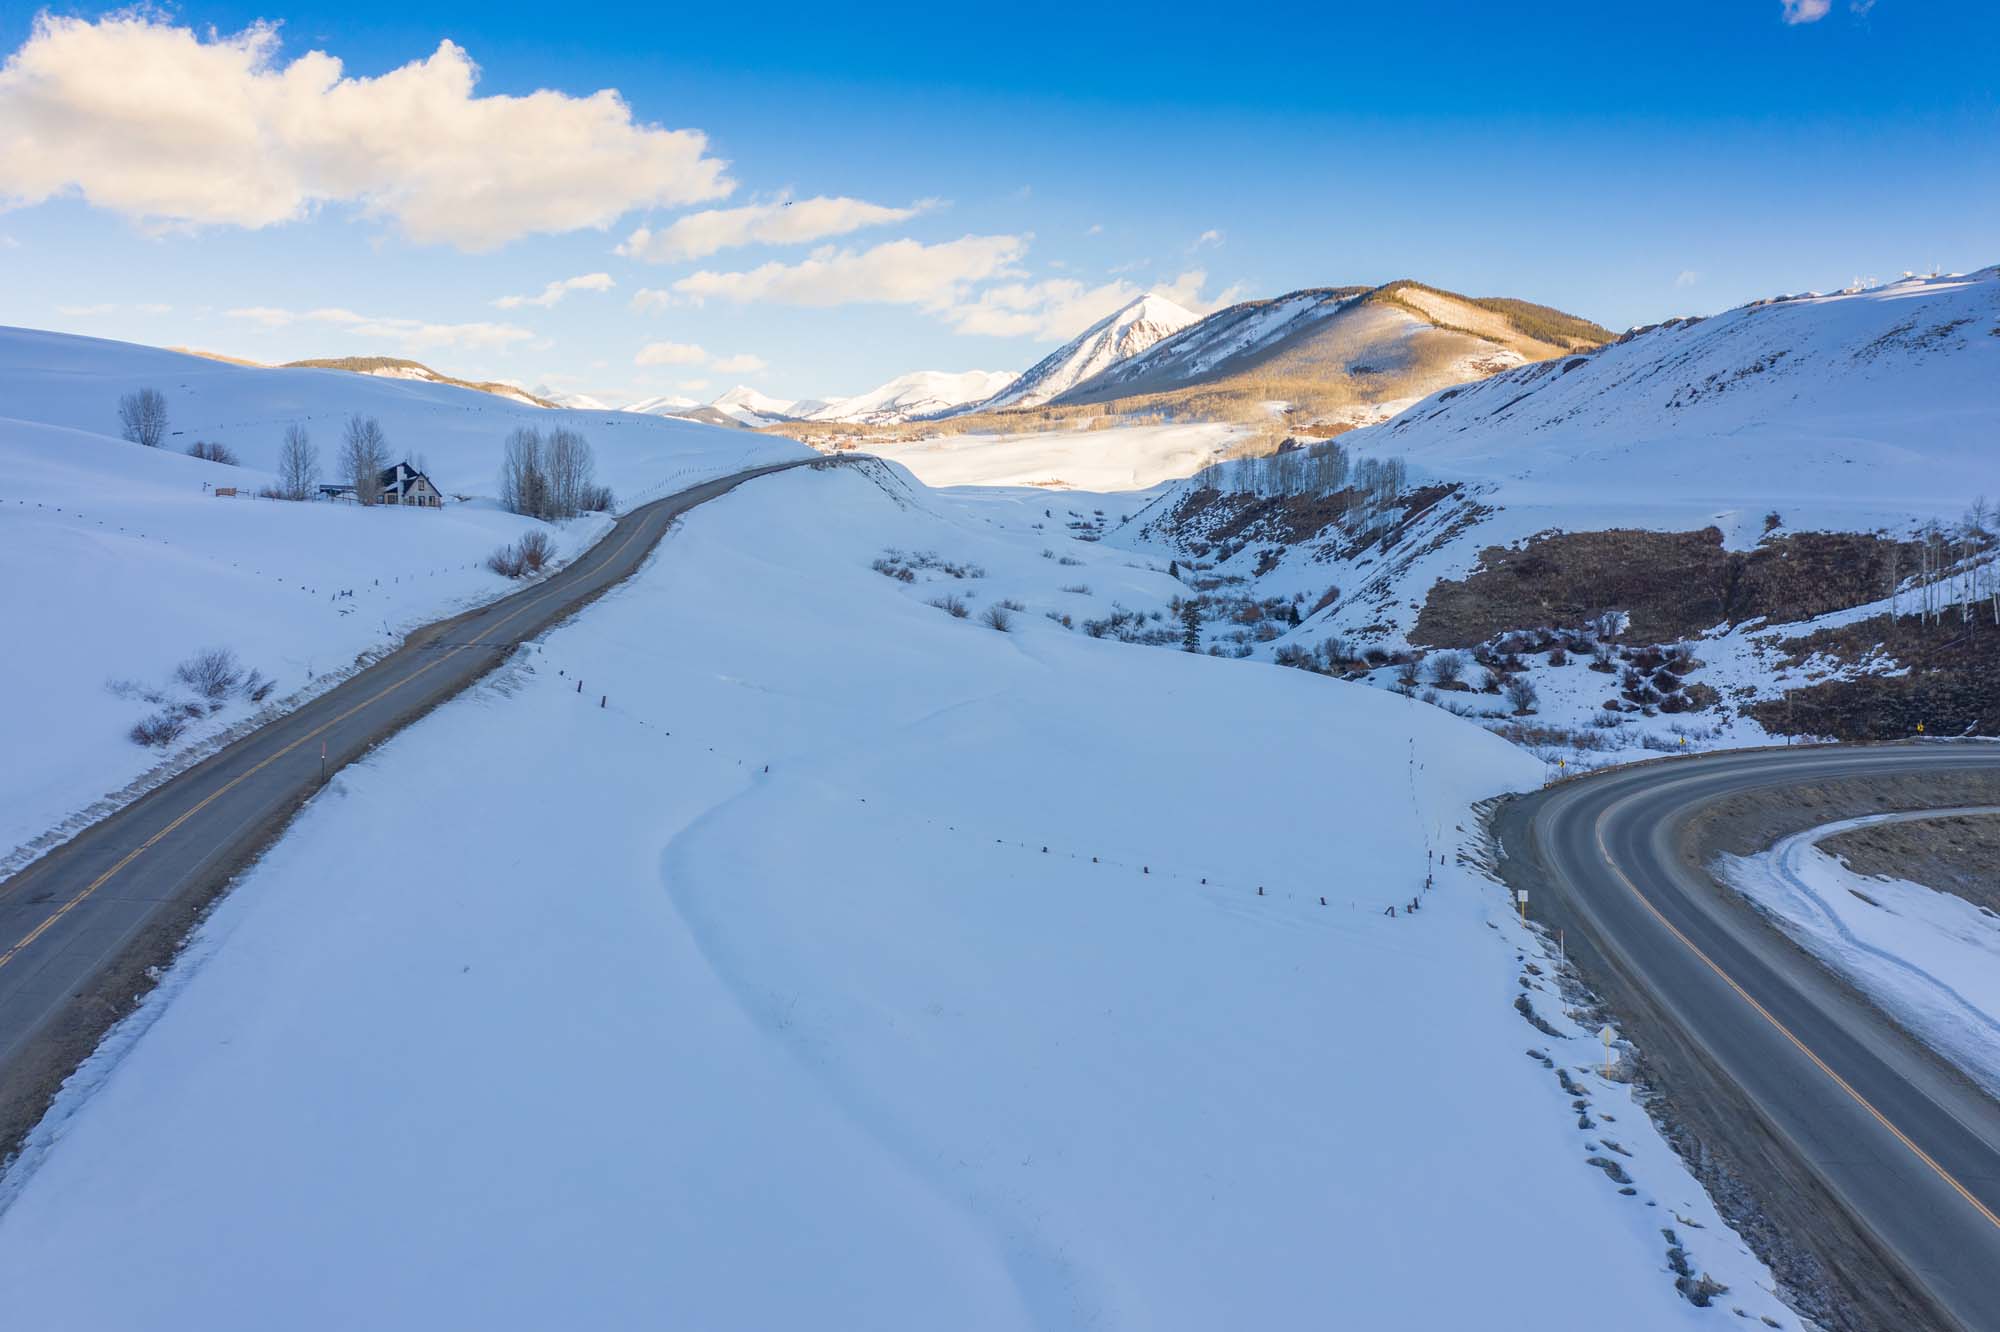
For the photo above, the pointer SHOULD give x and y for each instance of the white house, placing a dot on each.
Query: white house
(404, 484)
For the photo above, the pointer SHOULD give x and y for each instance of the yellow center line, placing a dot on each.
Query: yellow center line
(28, 939)
(1605, 853)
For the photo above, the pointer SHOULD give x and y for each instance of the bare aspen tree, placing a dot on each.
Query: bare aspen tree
(1892, 574)
(298, 464)
(142, 417)
(364, 457)
(523, 481)
(570, 471)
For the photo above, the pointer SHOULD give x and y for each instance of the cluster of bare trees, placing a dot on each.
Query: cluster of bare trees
(551, 478)
(1365, 489)
(1956, 568)
(142, 417)
(1320, 468)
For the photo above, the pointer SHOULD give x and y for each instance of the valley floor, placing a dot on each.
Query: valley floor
(858, 964)
(1120, 458)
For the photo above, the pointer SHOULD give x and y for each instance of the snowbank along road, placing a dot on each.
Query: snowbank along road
(80, 926)
(1867, 1151)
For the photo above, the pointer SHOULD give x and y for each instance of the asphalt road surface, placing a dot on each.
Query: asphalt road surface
(1892, 1136)
(80, 926)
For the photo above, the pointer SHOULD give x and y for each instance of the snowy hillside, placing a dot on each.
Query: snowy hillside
(1877, 401)
(856, 1000)
(396, 367)
(1744, 479)
(127, 564)
(75, 382)
(910, 397)
(1120, 459)
(1112, 339)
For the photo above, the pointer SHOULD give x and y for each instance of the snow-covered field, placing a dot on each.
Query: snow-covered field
(1116, 458)
(1930, 959)
(123, 563)
(855, 967)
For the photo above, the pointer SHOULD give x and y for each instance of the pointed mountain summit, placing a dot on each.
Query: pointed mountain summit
(1114, 338)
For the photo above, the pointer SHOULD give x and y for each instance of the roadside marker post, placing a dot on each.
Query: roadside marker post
(1604, 1034)
(1521, 897)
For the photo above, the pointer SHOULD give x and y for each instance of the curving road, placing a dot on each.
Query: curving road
(80, 927)
(1868, 1154)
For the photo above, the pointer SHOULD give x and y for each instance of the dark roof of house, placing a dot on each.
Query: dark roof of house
(390, 474)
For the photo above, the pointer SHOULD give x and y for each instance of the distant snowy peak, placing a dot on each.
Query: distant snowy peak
(669, 405)
(1115, 338)
(910, 397)
(752, 408)
(576, 402)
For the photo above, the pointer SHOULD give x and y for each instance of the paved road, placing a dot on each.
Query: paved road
(79, 927)
(1889, 1133)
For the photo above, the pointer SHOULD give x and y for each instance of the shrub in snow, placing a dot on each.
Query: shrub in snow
(951, 606)
(528, 555)
(160, 729)
(212, 673)
(215, 453)
(1408, 672)
(997, 617)
(1521, 693)
(1447, 668)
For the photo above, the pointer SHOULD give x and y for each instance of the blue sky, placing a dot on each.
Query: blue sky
(1025, 171)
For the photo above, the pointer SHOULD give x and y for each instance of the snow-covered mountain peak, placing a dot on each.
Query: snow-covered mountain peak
(918, 394)
(1122, 334)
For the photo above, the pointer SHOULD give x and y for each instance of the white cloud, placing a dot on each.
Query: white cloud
(1860, 8)
(652, 298)
(172, 128)
(670, 353)
(555, 291)
(412, 335)
(1207, 238)
(154, 309)
(1687, 278)
(1805, 11)
(782, 222)
(692, 385)
(1058, 309)
(743, 364)
(1185, 291)
(1095, 229)
(899, 272)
